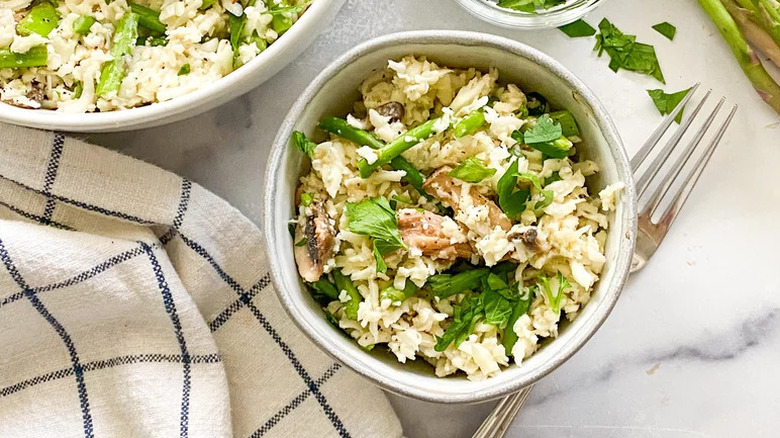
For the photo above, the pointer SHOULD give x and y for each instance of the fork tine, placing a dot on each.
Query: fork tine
(661, 191)
(690, 182)
(643, 182)
(644, 151)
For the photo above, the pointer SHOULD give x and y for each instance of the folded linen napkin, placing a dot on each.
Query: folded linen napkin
(134, 303)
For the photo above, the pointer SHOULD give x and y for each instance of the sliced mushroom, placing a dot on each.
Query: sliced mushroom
(529, 237)
(394, 110)
(36, 93)
(314, 242)
(423, 230)
(448, 189)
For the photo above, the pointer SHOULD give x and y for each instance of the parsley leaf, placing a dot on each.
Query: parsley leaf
(511, 201)
(381, 266)
(520, 308)
(472, 171)
(376, 218)
(553, 300)
(304, 144)
(579, 28)
(546, 194)
(307, 199)
(666, 103)
(302, 242)
(666, 29)
(624, 52)
(497, 299)
(467, 315)
(547, 137)
(543, 131)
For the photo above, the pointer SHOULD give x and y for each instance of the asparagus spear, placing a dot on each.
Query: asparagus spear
(148, 18)
(340, 127)
(754, 33)
(42, 19)
(445, 285)
(397, 147)
(113, 72)
(35, 57)
(470, 124)
(766, 87)
(82, 24)
(344, 283)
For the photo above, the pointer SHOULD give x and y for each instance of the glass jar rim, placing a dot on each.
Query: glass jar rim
(490, 12)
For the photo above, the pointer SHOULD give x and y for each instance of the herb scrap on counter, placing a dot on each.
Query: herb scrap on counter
(666, 103)
(626, 53)
(578, 29)
(666, 29)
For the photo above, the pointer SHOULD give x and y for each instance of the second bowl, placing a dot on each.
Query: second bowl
(333, 92)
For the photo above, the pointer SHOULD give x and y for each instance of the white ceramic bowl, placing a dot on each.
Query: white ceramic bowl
(332, 94)
(249, 76)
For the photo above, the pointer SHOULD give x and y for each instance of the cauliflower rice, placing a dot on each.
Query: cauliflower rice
(194, 50)
(526, 270)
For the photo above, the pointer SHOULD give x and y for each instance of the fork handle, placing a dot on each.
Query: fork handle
(497, 423)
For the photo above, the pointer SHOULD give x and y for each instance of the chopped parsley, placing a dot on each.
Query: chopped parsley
(577, 29)
(302, 242)
(547, 137)
(666, 29)
(307, 199)
(529, 6)
(666, 103)
(544, 130)
(553, 299)
(626, 53)
(304, 144)
(472, 171)
(510, 199)
(184, 70)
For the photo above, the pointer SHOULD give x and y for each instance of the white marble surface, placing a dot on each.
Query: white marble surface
(693, 347)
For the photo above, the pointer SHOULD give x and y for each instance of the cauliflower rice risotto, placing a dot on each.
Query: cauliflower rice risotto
(447, 218)
(102, 55)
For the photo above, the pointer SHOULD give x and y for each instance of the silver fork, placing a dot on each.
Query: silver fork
(650, 234)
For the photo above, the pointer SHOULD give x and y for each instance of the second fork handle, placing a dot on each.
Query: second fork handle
(497, 423)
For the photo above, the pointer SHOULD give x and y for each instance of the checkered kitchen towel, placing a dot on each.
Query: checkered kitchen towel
(134, 303)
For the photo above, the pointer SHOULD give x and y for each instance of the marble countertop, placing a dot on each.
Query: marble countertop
(693, 347)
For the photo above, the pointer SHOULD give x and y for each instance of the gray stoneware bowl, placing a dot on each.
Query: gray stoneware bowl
(332, 94)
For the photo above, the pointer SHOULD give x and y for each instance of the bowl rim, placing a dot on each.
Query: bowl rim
(621, 264)
(143, 116)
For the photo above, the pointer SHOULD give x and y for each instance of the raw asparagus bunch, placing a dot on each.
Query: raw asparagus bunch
(757, 21)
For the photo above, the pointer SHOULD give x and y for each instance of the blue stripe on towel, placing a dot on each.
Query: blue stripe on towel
(74, 358)
(35, 217)
(300, 398)
(106, 364)
(51, 175)
(86, 206)
(83, 276)
(170, 307)
(236, 305)
(332, 416)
